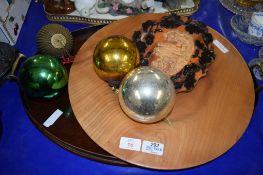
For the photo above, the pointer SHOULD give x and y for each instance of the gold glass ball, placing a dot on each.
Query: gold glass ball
(114, 57)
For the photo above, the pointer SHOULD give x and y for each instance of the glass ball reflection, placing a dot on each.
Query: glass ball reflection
(42, 76)
(114, 57)
(147, 95)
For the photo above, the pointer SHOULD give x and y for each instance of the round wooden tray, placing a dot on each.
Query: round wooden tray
(67, 132)
(204, 123)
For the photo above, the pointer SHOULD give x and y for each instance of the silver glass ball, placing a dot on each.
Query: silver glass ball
(147, 94)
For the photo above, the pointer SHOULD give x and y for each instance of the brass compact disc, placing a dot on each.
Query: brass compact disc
(54, 39)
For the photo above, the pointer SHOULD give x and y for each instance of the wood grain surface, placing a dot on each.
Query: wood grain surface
(204, 123)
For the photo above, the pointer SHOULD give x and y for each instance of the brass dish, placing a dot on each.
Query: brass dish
(248, 3)
(236, 7)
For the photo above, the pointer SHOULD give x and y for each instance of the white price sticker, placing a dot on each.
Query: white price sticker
(51, 120)
(130, 144)
(220, 46)
(152, 148)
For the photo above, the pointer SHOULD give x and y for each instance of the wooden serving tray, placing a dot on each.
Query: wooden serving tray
(66, 131)
(204, 123)
(97, 19)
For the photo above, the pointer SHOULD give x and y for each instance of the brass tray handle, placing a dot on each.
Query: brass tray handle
(11, 75)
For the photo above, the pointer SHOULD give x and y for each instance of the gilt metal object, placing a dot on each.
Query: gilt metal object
(114, 57)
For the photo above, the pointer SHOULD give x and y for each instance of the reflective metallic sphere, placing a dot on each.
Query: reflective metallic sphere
(114, 57)
(42, 76)
(147, 94)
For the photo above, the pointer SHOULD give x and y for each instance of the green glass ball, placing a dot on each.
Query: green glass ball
(42, 76)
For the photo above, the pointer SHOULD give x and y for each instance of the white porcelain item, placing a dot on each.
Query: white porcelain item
(255, 27)
(84, 7)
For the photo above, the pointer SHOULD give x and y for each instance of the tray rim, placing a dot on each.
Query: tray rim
(107, 159)
(74, 149)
